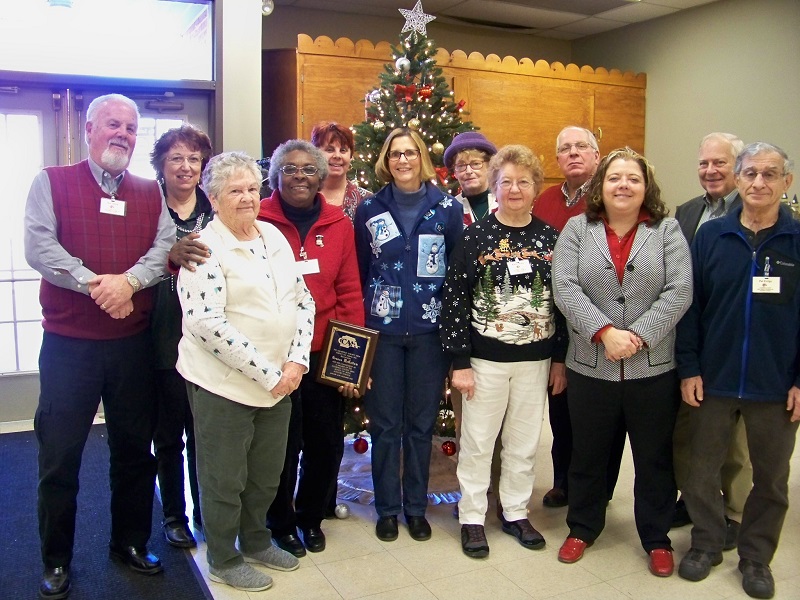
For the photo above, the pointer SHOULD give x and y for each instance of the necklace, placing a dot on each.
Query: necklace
(198, 225)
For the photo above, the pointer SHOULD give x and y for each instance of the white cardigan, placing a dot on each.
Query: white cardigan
(246, 312)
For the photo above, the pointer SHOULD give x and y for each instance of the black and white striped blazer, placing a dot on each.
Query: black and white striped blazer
(656, 291)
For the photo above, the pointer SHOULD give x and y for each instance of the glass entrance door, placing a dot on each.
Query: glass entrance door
(44, 127)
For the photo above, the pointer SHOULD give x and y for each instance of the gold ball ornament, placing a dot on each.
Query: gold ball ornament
(437, 148)
(379, 125)
(414, 124)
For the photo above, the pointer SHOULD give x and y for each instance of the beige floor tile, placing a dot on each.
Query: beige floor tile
(646, 586)
(346, 538)
(598, 591)
(15, 426)
(543, 576)
(365, 575)
(435, 559)
(303, 584)
(478, 584)
(414, 592)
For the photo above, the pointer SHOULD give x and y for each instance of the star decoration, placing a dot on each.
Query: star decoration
(416, 19)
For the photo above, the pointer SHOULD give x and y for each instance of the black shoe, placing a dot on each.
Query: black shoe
(731, 534)
(55, 583)
(177, 534)
(555, 498)
(386, 528)
(525, 534)
(681, 516)
(473, 541)
(136, 559)
(696, 565)
(757, 579)
(418, 528)
(292, 544)
(313, 538)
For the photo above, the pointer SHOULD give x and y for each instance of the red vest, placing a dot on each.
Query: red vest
(107, 244)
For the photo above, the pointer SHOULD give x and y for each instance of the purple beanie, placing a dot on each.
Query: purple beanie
(468, 140)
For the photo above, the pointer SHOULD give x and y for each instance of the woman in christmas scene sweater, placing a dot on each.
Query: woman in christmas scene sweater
(501, 328)
(321, 237)
(404, 235)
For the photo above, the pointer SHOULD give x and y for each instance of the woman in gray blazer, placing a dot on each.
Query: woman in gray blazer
(622, 277)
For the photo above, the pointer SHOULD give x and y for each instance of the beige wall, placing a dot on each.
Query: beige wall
(733, 65)
(281, 29)
(239, 60)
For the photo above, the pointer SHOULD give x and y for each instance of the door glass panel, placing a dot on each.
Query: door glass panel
(163, 39)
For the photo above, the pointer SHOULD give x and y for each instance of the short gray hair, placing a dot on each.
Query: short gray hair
(278, 159)
(222, 167)
(100, 101)
(758, 148)
(734, 142)
(589, 136)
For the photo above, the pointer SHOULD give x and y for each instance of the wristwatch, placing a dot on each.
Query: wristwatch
(135, 283)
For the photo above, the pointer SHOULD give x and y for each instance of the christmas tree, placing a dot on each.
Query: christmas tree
(414, 94)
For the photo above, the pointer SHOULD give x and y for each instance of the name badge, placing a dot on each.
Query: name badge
(519, 267)
(112, 206)
(766, 285)
(308, 267)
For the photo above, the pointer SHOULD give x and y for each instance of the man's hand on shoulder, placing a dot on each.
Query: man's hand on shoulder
(187, 252)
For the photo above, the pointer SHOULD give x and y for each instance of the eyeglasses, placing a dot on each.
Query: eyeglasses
(750, 175)
(475, 165)
(307, 170)
(522, 184)
(579, 146)
(409, 154)
(178, 160)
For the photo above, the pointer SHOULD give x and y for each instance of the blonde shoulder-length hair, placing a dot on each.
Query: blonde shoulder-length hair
(382, 165)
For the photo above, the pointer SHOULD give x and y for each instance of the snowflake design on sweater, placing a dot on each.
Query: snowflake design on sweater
(376, 283)
(398, 266)
(446, 202)
(416, 287)
(432, 310)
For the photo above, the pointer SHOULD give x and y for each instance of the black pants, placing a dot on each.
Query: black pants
(561, 450)
(75, 374)
(648, 408)
(174, 417)
(315, 428)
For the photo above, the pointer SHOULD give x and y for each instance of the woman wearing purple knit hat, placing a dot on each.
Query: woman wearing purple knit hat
(468, 157)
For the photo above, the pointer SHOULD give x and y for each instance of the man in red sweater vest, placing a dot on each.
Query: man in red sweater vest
(99, 236)
(578, 155)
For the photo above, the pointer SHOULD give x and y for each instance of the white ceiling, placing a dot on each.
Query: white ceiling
(560, 19)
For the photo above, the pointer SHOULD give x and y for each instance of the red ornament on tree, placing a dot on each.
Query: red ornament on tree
(360, 445)
(425, 91)
(449, 447)
(461, 104)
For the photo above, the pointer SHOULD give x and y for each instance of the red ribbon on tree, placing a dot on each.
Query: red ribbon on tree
(441, 173)
(405, 91)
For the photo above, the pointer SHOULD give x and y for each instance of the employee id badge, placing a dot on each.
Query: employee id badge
(766, 285)
(308, 267)
(112, 206)
(519, 267)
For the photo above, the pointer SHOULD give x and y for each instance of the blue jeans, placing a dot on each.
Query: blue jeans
(408, 375)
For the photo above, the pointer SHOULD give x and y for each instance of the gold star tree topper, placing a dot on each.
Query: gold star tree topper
(416, 19)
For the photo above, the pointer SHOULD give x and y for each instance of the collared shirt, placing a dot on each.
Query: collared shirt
(45, 254)
(580, 192)
(715, 208)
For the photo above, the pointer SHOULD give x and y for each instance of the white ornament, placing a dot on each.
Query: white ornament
(342, 511)
(374, 96)
(416, 19)
(402, 64)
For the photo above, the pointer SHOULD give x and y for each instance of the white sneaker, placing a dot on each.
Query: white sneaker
(242, 577)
